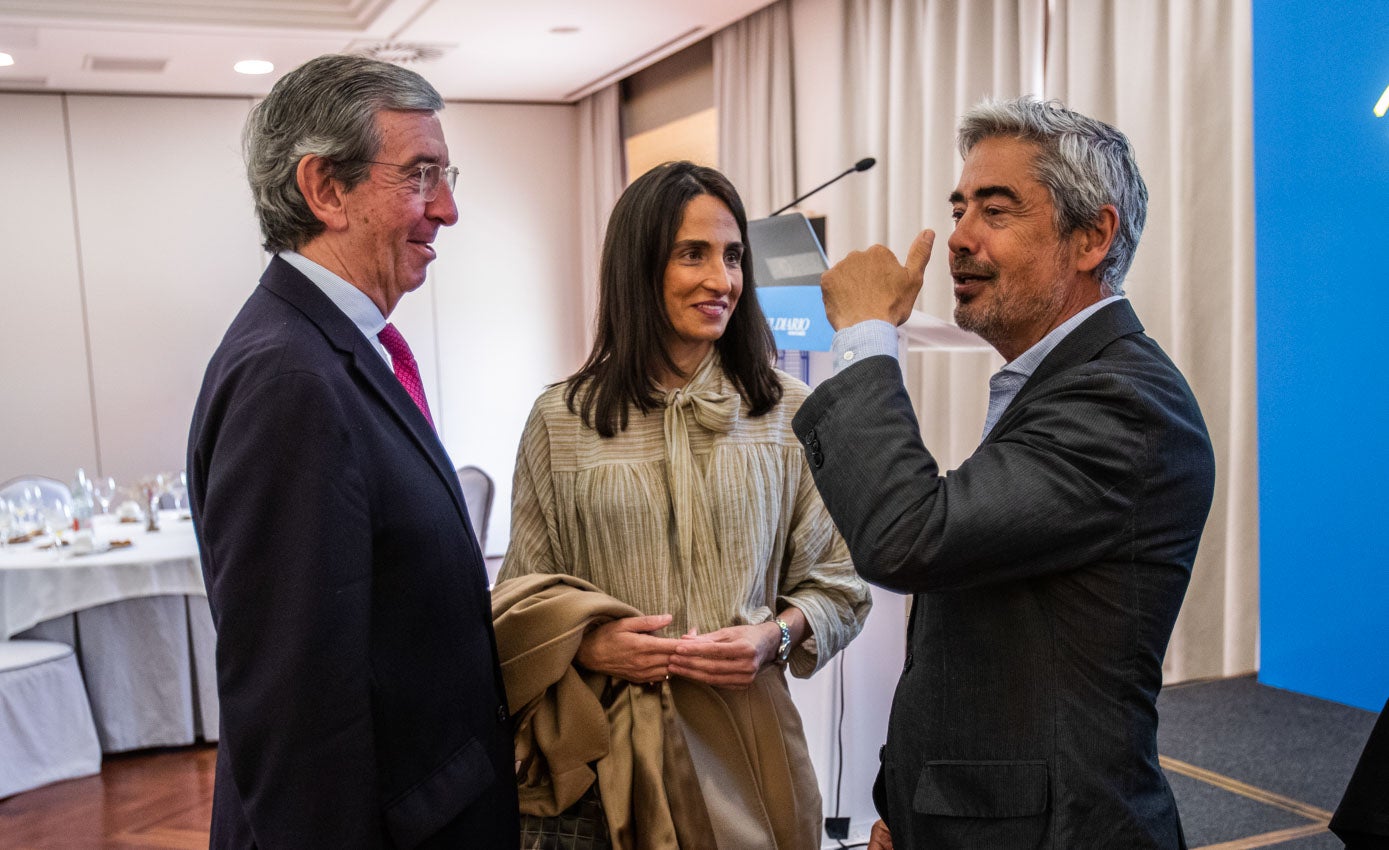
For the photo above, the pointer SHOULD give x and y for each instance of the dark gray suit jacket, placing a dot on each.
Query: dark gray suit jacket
(1047, 572)
(362, 702)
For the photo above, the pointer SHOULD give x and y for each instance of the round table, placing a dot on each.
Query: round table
(138, 619)
(38, 585)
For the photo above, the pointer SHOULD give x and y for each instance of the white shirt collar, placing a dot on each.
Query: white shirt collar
(353, 302)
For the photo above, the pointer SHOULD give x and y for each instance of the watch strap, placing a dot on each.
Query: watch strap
(783, 651)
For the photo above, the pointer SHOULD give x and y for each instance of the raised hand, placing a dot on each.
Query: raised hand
(873, 285)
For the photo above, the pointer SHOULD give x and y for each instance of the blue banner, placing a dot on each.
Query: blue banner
(797, 317)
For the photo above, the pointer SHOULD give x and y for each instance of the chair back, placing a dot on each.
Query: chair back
(49, 489)
(477, 495)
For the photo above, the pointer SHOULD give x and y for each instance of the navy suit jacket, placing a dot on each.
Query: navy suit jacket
(361, 698)
(1047, 572)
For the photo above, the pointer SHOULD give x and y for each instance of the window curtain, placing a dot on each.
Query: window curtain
(755, 98)
(1175, 76)
(911, 68)
(602, 177)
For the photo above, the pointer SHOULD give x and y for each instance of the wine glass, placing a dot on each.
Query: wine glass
(179, 492)
(8, 522)
(28, 509)
(57, 519)
(104, 489)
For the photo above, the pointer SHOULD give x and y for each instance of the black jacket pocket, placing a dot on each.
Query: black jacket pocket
(982, 789)
(442, 796)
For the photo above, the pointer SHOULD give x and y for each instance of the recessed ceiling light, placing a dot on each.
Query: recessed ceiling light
(253, 66)
(565, 30)
(1380, 108)
(6, 59)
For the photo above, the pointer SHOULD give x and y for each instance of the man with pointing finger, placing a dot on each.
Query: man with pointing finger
(1048, 569)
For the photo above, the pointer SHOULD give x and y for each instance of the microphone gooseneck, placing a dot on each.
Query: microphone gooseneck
(862, 165)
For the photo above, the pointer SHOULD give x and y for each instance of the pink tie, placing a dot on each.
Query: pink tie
(406, 371)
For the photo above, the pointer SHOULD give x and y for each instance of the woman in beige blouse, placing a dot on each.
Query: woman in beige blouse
(670, 552)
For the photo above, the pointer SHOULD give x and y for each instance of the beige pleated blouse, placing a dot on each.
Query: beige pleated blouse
(696, 509)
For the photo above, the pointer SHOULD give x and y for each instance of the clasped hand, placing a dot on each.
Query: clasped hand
(728, 658)
(626, 649)
(873, 285)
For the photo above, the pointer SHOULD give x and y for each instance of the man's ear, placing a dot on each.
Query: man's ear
(1093, 242)
(323, 192)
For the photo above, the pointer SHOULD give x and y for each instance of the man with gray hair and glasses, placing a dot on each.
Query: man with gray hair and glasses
(361, 698)
(1048, 569)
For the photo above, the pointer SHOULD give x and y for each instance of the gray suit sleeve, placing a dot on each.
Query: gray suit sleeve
(1054, 490)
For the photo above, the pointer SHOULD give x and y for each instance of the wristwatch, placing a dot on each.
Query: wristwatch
(783, 650)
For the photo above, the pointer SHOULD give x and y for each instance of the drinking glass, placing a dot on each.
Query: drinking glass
(8, 523)
(183, 491)
(29, 508)
(57, 519)
(104, 490)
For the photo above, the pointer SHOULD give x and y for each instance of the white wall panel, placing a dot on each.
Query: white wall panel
(169, 252)
(507, 282)
(45, 393)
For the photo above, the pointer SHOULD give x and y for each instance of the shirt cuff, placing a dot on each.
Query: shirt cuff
(864, 339)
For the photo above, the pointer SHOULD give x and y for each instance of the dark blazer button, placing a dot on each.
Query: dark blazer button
(817, 459)
(810, 436)
(907, 665)
(501, 714)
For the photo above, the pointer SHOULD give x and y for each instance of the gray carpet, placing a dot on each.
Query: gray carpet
(1294, 746)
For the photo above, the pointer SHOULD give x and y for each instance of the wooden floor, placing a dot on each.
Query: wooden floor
(152, 800)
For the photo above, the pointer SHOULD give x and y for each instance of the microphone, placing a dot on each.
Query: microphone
(862, 165)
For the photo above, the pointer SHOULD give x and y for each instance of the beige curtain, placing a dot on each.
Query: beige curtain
(755, 96)
(911, 68)
(1175, 76)
(602, 177)
(1172, 74)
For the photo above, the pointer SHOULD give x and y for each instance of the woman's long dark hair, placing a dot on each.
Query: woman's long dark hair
(630, 346)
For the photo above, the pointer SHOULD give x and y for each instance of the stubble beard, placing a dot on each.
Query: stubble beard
(999, 316)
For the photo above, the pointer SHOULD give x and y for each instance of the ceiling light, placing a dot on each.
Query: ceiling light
(1380, 108)
(253, 66)
(565, 30)
(6, 59)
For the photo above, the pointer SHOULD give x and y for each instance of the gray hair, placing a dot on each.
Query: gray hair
(326, 107)
(1084, 164)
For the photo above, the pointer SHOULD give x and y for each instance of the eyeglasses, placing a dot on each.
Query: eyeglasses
(432, 176)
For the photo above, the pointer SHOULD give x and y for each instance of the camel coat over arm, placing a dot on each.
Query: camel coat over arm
(704, 512)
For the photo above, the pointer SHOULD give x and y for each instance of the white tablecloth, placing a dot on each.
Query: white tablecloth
(38, 585)
(139, 621)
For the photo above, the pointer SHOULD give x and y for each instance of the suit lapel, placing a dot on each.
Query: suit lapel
(288, 283)
(1080, 346)
(1088, 340)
